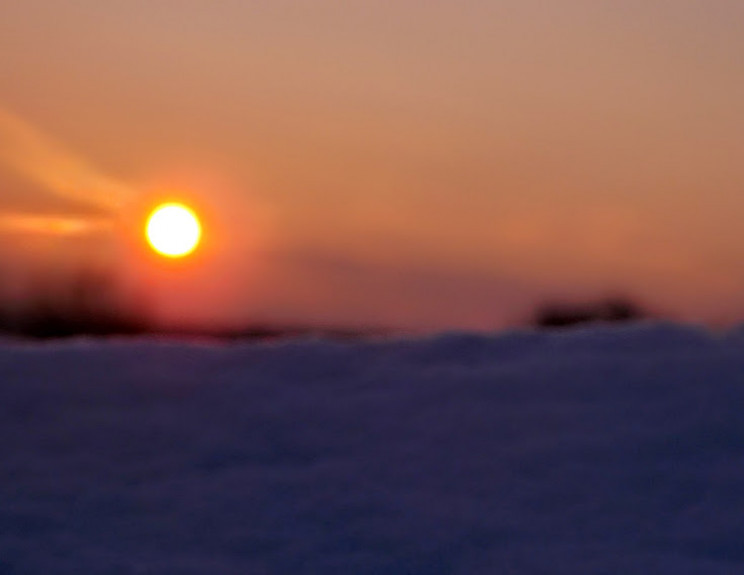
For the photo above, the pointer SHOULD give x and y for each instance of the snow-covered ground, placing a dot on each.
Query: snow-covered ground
(610, 450)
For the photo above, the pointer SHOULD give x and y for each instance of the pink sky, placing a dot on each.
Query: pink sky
(415, 164)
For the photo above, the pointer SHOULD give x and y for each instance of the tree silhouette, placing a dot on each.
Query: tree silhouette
(88, 303)
(613, 310)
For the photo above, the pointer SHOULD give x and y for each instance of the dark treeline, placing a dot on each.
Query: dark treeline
(611, 310)
(89, 303)
(92, 303)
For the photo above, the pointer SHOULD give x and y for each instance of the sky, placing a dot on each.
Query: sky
(419, 165)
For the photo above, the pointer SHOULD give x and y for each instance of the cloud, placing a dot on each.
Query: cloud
(342, 288)
(52, 166)
(52, 225)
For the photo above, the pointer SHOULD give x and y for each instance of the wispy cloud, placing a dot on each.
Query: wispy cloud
(53, 225)
(52, 166)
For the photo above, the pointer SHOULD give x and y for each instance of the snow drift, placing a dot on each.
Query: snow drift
(606, 450)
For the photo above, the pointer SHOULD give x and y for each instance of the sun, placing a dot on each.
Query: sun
(173, 230)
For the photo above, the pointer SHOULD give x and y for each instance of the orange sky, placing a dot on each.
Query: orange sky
(416, 164)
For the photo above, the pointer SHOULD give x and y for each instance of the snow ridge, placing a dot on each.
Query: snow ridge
(604, 450)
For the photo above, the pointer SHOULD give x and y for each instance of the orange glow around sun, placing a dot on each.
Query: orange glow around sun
(173, 230)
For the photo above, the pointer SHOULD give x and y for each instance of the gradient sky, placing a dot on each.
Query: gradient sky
(414, 164)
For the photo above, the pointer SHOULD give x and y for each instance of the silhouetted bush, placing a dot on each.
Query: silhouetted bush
(556, 315)
(88, 303)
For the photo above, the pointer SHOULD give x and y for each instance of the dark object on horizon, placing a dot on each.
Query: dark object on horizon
(616, 310)
(91, 303)
(87, 304)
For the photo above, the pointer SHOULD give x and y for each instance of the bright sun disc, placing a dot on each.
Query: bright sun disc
(173, 230)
